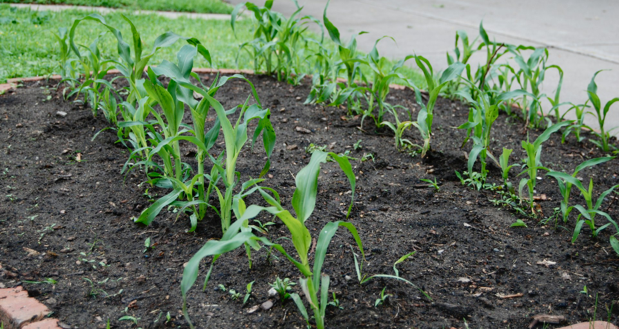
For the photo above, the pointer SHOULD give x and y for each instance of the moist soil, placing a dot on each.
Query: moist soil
(66, 214)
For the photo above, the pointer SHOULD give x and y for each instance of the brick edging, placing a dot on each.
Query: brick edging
(12, 82)
(19, 311)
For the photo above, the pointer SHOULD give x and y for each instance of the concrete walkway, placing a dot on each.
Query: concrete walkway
(581, 35)
(105, 10)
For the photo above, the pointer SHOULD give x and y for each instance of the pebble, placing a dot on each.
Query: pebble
(348, 278)
(266, 305)
(61, 114)
(272, 292)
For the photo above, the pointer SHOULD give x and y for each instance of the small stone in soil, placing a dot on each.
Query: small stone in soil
(61, 114)
(303, 130)
(253, 309)
(292, 147)
(267, 305)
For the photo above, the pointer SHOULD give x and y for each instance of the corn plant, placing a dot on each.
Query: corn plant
(565, 187)
(533, 160)
(483, 73)
(600, 115)
(376, 92)
(68, 65)
(347, 61)
(530, 78)
(578, 124)
(398, 129)
(132, 67)
(482, 115)
(95, 69)
(587, 215)
(235, 138)
(314, 284)
(279, 43)
(614, 243)
(109, 105)
(426, 114)
(505, 166)
(484, 110)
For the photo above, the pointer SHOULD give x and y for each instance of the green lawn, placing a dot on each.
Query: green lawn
(28, 48)
(197, 6)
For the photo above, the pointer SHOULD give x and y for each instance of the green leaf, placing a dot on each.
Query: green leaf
(591, 163)
(546, 134)
(299, 302)
(403, 258)
(334, 33)
(149, 214)
(519, 223)
(452, 72)
(614, 243)
(324, 239)
(304, 197)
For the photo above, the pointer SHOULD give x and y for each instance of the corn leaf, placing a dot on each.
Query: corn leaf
(149, 214)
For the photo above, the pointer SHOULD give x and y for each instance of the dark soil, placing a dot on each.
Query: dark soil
(77, 217)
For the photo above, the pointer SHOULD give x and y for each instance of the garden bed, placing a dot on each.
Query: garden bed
(67, 214)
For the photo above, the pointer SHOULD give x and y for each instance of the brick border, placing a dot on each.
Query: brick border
(19, 311)
(12, 82)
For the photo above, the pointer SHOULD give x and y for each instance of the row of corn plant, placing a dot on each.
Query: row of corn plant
(152, 124)
(314, 284)
(497, 86)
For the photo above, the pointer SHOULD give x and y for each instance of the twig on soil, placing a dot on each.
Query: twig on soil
(545, 318)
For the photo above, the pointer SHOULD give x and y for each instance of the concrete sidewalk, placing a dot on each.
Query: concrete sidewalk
(580, 35)
(106, 10)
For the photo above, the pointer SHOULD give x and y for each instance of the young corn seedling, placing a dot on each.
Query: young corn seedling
(68, 69)
(578, 124)
(481, 117)
(600, 115)
(235, 138)
(95, 69)
(530, 78)
(587, 215)
(426, 114)
(533, 160)
(130, 67)
(483, 112)
(505, 166)
(279, 42)
(481, 76)
(565, 187)
(382, 299)
(314, 284)
(398, 129)
(347, 61)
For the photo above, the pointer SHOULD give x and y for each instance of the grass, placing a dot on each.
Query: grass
(196, 6)
(27, 46)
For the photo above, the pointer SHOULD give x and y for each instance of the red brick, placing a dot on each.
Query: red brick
(17, 309)
(5, 87)
(31, 79)
(44, 324)
(591, 325)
